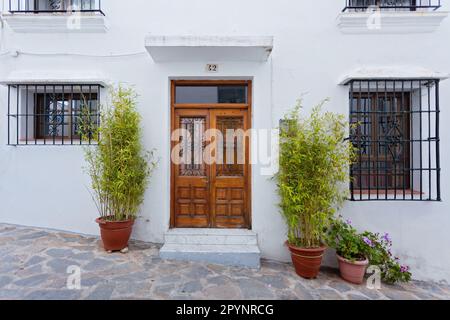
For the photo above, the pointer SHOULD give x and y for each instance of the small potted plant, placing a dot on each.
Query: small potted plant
(118, 166)
(355, 251)
(352, 250)
(312, 177)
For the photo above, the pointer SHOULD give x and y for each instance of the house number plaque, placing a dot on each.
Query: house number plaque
(212, 68)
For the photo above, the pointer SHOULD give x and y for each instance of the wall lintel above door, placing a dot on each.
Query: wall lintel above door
(209, 48)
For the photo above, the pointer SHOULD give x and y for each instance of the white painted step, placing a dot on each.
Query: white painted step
(211, 236)
(218, 246)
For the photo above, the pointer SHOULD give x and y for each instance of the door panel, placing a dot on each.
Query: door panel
(229, 171)
(191, 173)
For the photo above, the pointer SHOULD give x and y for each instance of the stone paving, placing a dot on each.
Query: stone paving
(34, 262)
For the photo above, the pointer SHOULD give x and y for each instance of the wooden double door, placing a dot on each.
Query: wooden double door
(210, 167)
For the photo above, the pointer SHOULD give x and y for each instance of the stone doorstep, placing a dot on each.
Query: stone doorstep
(231, 247)
(239, 256)
(211, 236)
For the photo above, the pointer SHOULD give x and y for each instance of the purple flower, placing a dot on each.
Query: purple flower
(368, 241)
(404, 269)
(348, 221)
(386, 237)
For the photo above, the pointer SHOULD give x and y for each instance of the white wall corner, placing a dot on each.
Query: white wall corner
(390, 22)
(57, 23)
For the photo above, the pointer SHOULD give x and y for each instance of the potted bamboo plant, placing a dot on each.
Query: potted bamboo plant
(314, 161)
(118, 166)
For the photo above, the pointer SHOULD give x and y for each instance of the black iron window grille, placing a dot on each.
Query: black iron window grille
(57, 114)
(395, 129)
(392, 5)
(55, 6)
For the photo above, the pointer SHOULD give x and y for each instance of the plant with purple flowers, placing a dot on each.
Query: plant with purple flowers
(368, 242)
(349, 244)
(386, 238)
(354, 246)
(381, 255)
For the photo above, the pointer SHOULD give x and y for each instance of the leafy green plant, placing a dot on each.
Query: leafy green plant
(87, 121)
(118, 166)
(354, 246)
(313, 177)
(347, 242)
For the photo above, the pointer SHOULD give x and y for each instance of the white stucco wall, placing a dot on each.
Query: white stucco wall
(45, 186)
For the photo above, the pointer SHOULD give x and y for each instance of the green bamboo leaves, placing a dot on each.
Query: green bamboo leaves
(119, 166)
(313, 178)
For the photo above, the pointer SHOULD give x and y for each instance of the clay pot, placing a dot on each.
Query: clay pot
(307, 261)
(352, 271)
(115, 234)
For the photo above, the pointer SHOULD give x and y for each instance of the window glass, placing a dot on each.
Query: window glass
(211, 94)
(59, 115)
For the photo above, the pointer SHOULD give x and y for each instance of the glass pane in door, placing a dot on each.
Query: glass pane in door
(231, 146)
(192, 142)
(211, 94)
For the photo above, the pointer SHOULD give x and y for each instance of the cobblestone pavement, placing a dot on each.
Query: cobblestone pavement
(34, 262)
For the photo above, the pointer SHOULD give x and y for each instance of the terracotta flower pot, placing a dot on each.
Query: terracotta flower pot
(352, 271)
(307, 261)
(115, 234)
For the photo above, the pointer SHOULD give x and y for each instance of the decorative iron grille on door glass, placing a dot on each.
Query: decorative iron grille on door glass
(53, 114)
(392, 5)
(53, 6)
(395, 128)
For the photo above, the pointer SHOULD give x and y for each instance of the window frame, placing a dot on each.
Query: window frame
(421, 139)
(27, 113)
(69, 98)
(415, 5)
(33, 7)
(217, 83)
(375, 138)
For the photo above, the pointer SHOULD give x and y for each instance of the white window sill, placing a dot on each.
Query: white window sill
(56, 22)
(390, 22)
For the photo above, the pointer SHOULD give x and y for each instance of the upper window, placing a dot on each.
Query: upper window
(52, 114)
(187, 93)
(392, 5)
(395, 128)
(37, 6)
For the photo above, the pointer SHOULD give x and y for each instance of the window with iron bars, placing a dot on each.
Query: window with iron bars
(392, 5)
(395, 129)
(56, 114)
(54, 6)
